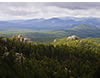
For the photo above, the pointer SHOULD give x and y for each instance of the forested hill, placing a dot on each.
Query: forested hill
(62, 58)
(81, 30)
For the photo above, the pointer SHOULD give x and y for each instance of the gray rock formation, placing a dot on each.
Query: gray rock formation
(73, 37)
(19, 57)
(21, 38)
(54, 40)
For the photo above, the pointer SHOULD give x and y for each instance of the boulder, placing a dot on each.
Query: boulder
(54, 40)
(21, 38)
(19, 57)
(27, 40)
(73, 37)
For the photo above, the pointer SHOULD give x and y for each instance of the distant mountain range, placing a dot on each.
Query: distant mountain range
(50, 24)
(49, 29)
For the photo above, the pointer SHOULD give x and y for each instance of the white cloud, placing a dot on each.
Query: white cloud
(11, 11)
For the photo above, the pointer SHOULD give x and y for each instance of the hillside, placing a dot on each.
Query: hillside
(82, 31)
(44, 30)
(59, 59)
(85, 27)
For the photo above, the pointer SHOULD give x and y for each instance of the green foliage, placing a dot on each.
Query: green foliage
(61, 59)
(82, 31)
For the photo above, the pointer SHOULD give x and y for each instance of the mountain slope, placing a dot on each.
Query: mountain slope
(85, 27)
(74, 59)
(84, 30)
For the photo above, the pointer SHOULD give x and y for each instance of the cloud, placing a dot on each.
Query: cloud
(75, 5)
(27, 10)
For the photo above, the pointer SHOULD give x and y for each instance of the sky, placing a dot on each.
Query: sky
(33, 10)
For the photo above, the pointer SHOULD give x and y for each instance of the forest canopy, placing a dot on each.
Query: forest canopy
(60, 59)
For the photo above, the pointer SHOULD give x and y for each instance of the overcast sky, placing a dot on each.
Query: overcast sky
(12, 11)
